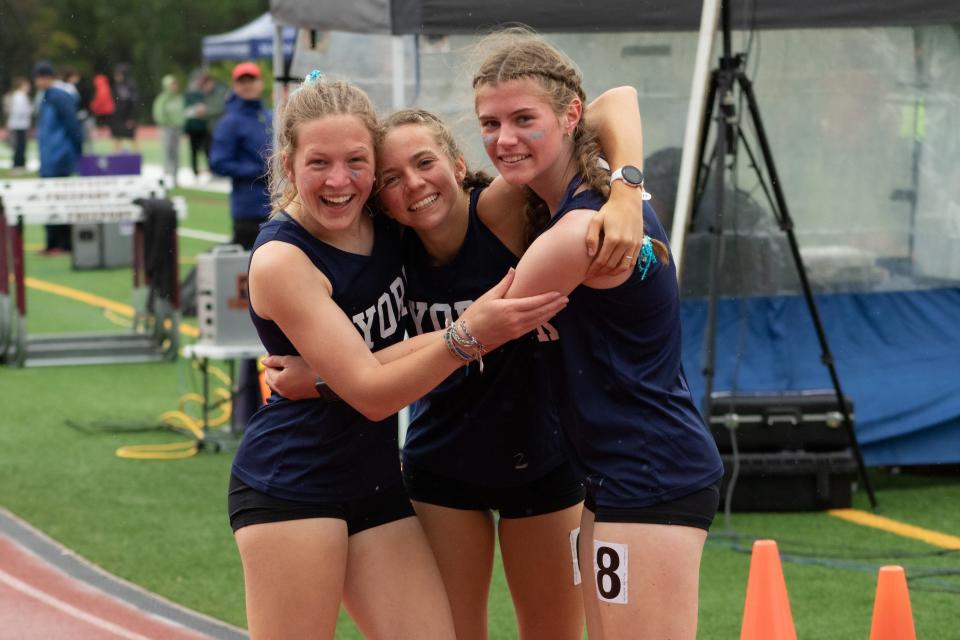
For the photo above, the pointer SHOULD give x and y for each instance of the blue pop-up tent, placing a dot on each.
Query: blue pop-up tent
(250, 42)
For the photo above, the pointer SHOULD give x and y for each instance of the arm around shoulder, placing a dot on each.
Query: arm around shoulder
(557, 260)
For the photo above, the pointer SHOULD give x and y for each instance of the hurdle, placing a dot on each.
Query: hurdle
(154, 332)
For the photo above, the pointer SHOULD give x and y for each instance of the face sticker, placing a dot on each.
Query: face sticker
(489, 140)
(535, 135)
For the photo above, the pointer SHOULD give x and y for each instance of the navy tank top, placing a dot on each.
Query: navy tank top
(627, 414)
(491, 429)
(311, 450)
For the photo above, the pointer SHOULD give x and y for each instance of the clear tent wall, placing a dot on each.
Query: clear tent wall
(863, 124)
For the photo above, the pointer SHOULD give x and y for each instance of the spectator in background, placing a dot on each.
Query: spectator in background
(59, 139)
(19, 112)
(240, 148)
(75, 80)
(196, 124)
(168, 115)
(102, 106)
(123, 126)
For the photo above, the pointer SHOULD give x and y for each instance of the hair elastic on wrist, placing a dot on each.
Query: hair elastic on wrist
(647, 257)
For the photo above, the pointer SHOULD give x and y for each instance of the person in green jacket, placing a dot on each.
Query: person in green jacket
(168, 114)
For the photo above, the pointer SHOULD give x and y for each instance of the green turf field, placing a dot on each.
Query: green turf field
(163, 524)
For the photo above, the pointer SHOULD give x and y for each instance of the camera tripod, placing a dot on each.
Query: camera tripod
(721, 108)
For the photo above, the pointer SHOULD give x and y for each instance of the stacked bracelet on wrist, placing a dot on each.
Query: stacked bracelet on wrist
(462, 344)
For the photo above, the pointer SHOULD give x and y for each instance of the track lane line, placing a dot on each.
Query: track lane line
(934, 538)
(62, 606)
(95, 301)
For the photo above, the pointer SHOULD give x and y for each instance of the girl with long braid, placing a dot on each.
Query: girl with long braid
(632, 430)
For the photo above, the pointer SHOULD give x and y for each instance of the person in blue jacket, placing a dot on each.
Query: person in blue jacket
(59, 139)
(240, 148)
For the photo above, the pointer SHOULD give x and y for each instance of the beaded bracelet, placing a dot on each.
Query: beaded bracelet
(453, 348)
(464, 348)
(462, 324)
(470, 341)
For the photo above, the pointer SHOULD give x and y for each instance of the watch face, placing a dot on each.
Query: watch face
(632, 175)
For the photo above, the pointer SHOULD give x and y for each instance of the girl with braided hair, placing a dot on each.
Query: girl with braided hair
(316, 500)
(649, 463)
(483, 441)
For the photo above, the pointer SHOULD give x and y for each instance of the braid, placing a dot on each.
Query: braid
(520, 54)
(476, 179)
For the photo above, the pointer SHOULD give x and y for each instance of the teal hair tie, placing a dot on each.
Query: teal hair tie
(647, 257)
(312, 78)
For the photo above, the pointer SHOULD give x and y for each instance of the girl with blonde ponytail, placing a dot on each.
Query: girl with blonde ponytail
(316, 499)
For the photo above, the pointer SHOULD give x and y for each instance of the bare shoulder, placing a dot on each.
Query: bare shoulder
(500, 202)
(279, 270)
(500, 197)
(279, 261)
(500, 208)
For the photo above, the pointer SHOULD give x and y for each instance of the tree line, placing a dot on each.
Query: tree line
(154, 37)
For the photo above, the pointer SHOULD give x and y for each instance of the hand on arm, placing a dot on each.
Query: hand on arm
(615, 116)
(334, 349)
(291, 377)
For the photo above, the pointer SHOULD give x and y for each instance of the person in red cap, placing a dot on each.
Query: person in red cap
(240, 148)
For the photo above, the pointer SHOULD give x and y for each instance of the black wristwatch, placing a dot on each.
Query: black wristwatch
(326, 393)
(630, 175)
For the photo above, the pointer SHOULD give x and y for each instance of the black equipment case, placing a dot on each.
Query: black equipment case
(792, 452)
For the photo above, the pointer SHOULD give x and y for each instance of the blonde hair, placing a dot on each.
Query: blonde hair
(441, 134)
(312, 101)
(520, 54)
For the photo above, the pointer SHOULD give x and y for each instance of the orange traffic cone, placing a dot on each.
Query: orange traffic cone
(892, 615)
(766, 611)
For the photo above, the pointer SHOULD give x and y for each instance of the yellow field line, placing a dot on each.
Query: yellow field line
(95, 301)
(186, 261)
(935, 538)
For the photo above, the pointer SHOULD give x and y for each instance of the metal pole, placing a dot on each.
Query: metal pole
(396, 51)
(278, 69)
(709, 18)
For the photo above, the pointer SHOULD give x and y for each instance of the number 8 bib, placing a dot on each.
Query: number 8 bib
(610, 567)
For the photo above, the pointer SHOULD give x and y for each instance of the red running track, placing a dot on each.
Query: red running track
(40, 601)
